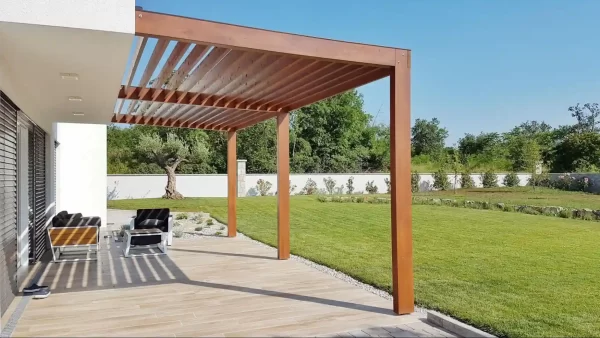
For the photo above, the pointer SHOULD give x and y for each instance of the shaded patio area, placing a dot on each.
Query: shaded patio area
(204, 287)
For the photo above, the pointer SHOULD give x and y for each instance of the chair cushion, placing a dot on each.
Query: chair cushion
(150, 223)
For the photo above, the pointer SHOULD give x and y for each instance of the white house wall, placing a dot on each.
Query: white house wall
(81, 169)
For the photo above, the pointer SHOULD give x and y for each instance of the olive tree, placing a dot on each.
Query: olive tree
(169, 153)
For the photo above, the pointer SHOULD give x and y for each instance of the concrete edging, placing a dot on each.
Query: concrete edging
(455, 326)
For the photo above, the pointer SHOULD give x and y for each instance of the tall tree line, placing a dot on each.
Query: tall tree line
(336, 135)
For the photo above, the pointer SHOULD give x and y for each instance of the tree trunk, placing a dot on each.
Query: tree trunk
(170, 189)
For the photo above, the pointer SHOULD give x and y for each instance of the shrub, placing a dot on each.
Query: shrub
(219, 233)
(350, 185)
(181, 216)
(508, 208)
(263, 187)
(440, 180)
(360, 199)
(489, 179)
(329, 185)
(310, 188)
(222, 227)
(466, 181)
(198, 229)
(321, 198)
(541, 180)
(511, 180)
(581, 184)
(123, 228)
(564, 213)
(371, 188)
(415, 179)
(292, 187)
(339, 190)
(210, 221)
(199, 220)
(388, 185)
(178, 231)
(529, 210)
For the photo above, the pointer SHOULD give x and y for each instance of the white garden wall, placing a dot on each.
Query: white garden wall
(152, 186)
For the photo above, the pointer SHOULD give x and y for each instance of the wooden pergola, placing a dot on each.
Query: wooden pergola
(224, 77)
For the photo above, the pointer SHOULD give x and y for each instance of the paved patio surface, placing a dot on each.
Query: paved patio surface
(207, 287)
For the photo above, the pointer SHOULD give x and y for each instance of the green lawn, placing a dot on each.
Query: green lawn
(523, 195)
(508, 273)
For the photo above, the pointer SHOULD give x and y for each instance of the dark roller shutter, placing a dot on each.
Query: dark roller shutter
(8, 201)
(39, 203)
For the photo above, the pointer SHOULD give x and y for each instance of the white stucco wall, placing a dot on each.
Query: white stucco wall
(105, 15)
(81, 169)
(152, 186)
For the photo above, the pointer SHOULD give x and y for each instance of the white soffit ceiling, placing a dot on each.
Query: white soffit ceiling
(34, 57)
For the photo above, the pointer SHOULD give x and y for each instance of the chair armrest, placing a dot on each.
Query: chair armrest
(132, 223)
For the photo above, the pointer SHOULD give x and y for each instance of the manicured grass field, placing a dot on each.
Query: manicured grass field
(508, 273)
(523, 196)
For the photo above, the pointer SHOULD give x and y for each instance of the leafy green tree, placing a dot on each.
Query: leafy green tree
(169, 153)
(428, 137)
(531, 155)
(456, 165)
(577, 152)
(328, 135)
(588, 117)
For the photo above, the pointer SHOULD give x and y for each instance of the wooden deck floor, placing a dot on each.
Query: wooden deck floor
(204, 287)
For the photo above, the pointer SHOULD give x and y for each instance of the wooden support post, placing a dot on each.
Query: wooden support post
(402, 262)
(231, 183)
(283, 185)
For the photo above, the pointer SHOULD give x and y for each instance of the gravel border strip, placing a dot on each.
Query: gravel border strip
(334, 273)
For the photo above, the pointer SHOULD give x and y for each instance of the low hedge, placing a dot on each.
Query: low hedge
(554, 211)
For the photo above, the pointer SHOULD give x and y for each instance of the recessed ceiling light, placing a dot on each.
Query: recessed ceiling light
(69, 76)
(78, 114)
(75, 98)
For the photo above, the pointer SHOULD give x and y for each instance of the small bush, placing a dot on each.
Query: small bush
(210, 221)
(511, 180)
(199, 220)
(181, 216)
(581, 184)
(178, 231)
(350, 185)
(198, 229)
(466, 181)
(329, 185)
(371, 188)
(360, 199)
(388, 185)
(292, 187)
(219, 233)
(222, 227)
(508, 208)
(541, 180)
(440, 180)
(321, 198)
(415, 179)
(564, 213)
(263, 187)
(529, 211)
(310, 188)
(489, 179)
(123, 228)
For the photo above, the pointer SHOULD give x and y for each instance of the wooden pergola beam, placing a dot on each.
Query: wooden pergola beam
(231, 183)
(226, 35)
(402, 261)
(180, 97)
(283, 186)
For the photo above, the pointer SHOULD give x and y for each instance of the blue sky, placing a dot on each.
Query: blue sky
(477, 65)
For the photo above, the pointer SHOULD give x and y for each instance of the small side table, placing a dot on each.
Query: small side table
(129, 234)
